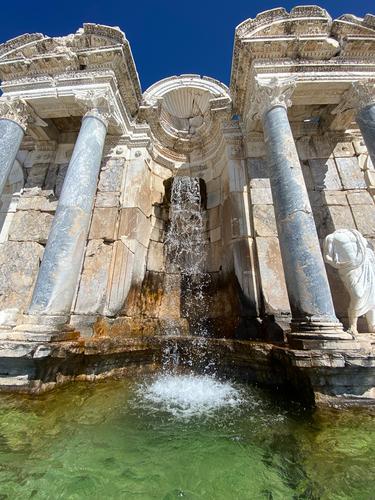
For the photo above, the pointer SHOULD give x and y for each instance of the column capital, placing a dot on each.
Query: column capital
(360, 95)
(267, 95)
(97, 103)
(19, 111)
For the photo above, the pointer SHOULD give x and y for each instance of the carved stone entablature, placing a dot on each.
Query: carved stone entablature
(92, 48)
(278, 42)
(360, 95)
(17, 110)
(267, 95)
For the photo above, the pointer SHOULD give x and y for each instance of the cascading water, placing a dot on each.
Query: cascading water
(186, 251)
(187, 395)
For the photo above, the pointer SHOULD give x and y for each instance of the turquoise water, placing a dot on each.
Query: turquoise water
(118, 439)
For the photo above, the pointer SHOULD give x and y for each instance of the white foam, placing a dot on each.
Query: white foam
(190, 395)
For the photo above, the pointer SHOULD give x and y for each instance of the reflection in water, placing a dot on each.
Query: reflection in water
(109, 440)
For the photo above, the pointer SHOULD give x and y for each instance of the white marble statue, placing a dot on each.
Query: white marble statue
(348, 251)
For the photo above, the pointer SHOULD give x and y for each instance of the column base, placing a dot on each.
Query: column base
(41, 328)
(321, 335)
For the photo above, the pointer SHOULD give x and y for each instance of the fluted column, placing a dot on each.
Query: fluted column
(362, 96)
(59, 271)
(14, 117)
(313, 314)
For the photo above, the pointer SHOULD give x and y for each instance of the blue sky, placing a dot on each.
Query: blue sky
(167, 37)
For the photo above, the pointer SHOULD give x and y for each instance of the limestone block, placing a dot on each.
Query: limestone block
(214, 217)
(103, 224)
(313, 147)
(93, 285)
(213, 199)
(335, 198)
(107, 199)
(272, 278)
(350, 173)
(364, 216)
(342, 149)
(120, 278)
(134, 225)
(255, 149)
(261, 196)
(236, 175)
(245, 270)
(365, 162)
(307, 175)
(316, 198)
(19, 264)
(324, 174)
(360, 147)
(30, 226)
(111, 175)
(137, 191)
(155, 257)
(240, 215)
(215, 234)
(258, 173)
(214, 256)
(360, 198)
(139, 266)
(157, 189)
(46, 203)
(36, 175)
(264, 220)
(330, 218)
(64, 153)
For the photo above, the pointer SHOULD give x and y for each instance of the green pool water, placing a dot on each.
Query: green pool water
(107, 440)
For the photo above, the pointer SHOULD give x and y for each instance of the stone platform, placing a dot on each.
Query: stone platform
(316, 377)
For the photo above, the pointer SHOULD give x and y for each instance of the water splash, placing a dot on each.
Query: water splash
(187, 396)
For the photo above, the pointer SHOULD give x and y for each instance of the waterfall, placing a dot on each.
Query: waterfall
(186, 251)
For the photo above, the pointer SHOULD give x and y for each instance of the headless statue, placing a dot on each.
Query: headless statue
(348, 251)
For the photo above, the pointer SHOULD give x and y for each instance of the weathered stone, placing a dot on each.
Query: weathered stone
(107, 199)
(38, 158)
(155, 258)
(342, 149)
(46, 203)
(350, 173)
(215, 234)
(120, 278)
(137, 192)
(134, 225)
(324, 174)
(214, 217)
(103, 224)
(364, 216)
(19, 264)
(272, 278)
(264, 220)
(60, 179)
(258, 173)
(30, 226)
(261, 196)
(36, 175)
(93, 284)
(360, 198)
(111, 175)
(335, 198)
(330, 218)
(239, 215)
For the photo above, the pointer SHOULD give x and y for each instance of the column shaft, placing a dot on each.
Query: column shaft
(11, 135)
(305, 274)
(366, 122)
(59, 271)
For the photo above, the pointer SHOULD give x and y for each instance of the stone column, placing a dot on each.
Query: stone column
(362, 97)
(313, 316)
(14, 114)
(59, 271)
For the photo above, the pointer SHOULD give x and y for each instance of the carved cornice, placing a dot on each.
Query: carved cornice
(360, 95)
(267, 95)
(17, 110)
